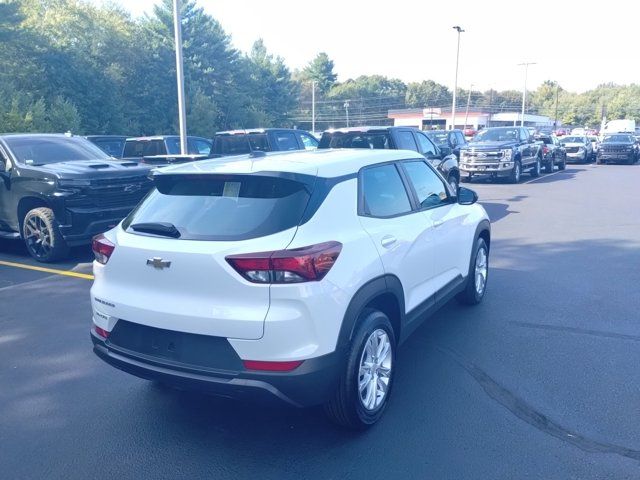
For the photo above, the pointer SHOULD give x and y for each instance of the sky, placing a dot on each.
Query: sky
(577, 43)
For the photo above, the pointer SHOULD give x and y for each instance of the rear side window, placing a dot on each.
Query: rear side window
(376, 141)
(286, 141)
(406, 141)
(309, 142)
(383, 193)
(229, 207)
(144, 148)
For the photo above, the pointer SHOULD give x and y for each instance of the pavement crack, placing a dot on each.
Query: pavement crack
(529, 414)
(580, 331)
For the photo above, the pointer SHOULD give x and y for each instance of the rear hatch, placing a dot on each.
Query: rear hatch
(169, 268)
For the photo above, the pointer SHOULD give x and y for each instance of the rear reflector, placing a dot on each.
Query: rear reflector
(102, 248)
(272, 366)
(101, 331)
(297, 265)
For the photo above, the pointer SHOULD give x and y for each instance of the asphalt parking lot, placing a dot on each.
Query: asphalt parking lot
(540, 381)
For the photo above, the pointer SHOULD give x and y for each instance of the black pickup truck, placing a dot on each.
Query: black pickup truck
(58, 191)
(396, 138)
(501, 152)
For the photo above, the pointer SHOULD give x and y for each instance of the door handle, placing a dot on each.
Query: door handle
(437, 223)
(388, 240)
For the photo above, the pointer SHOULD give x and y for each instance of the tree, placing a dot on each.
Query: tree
(320, 70)
(427, 94)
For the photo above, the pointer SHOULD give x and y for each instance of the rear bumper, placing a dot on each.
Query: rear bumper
(312, 383)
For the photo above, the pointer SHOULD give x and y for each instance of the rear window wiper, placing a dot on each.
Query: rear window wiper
(157, 228)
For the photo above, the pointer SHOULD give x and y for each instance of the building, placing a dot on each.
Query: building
(439, 118)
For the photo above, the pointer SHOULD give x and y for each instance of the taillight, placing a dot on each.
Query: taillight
(101, 331)
(297, 265)
(271, 366)
(102, 248)
(545, 149)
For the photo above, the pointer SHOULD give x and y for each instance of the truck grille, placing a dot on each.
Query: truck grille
(615, 149)
(482, 157)
(112, 193)
(572, 149)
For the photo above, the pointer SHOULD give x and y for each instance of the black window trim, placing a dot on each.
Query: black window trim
(412, 199)
(415, 201)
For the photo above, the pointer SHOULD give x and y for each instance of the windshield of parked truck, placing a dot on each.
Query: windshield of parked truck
(497, 135)
(439, 138)
(33, 150)
(618, 139)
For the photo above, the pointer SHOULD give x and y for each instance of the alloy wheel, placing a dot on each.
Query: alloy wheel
(375, 370)
(37, 237)
(481, 271)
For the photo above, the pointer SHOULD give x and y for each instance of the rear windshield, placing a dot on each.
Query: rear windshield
(372, 140)
(229, 207)
(240, 144)
(44, 150)
(545, 140)
(572, 140)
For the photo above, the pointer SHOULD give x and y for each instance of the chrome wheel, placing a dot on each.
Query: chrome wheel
(375, 370)
(481, 271)
(37, 237)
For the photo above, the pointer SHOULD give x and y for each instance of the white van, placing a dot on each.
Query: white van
(620, 126)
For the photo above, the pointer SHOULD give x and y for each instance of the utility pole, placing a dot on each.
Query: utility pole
(182, 114)
(555, 118)
(455, 83)
(313, 107)
(466, 115)
(524, 92)
(346, 108)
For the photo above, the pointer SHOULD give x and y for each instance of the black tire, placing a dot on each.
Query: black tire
(516, 172)
(470, 295)
(549, 166)
(563, 165)
(535, 171)
(42, 236)
(585, 160)
(346, 408)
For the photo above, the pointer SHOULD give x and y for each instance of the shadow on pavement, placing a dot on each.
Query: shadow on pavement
(497, 211)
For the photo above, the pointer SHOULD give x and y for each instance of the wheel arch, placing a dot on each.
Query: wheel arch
(383, 293)
(26, 204)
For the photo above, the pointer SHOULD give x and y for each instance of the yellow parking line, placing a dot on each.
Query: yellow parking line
(67, 273)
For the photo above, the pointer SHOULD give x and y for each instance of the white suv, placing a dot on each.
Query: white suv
(292, 276)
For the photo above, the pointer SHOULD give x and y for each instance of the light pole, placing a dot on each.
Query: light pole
(524, 92)
(346, 109)
(182, 114)
(313, 107)
(466, 115)
(455, 83)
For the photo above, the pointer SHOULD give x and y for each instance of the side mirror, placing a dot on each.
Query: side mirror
(445, 151)
(466, 196)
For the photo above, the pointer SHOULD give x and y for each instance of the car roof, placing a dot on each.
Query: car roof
(257, 130)
(164, 137)
(367, 128)
(324, 163)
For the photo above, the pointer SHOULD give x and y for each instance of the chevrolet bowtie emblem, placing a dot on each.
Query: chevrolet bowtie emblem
(157, 262)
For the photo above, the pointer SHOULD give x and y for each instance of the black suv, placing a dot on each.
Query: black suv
(618, 147)
(240, 142)
(396, 138)
(58, 191)
(454, 139)
(111, 144)
(164, 146)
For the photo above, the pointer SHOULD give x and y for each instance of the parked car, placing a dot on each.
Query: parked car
(399, 138)
(553, 153)
(469, 132)
(347, 265)
(239, 142)
(113, 145)
(452, 139)
(578, 148)
(595, 145)
(138, 147)
(618, 147)
(59, 191)
(502, 152)
(561, 132)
